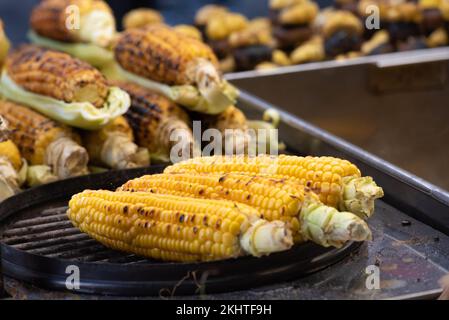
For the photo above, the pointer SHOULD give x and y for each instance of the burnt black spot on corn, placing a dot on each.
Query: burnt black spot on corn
(153, 118)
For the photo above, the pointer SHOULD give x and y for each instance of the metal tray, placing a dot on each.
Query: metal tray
(411, 255)
(393, 105)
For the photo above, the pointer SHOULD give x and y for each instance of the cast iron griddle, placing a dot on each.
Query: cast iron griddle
(39, 243)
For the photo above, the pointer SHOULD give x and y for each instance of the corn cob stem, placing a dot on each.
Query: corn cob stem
(9, 179)
(337, 182)
(173, 132)
(97, 27)
(208, 81)
(113, 146)
(119, 152)
(329, 227)
(359, 195)
(264, 237)
(66, 158)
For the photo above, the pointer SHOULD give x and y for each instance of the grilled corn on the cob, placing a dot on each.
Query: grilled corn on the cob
(182, 68)
(274, 199)
(4, 44)
(61, 87)
(88, 21)
(155, 120)
(83, 28)
(10, 164)
(45, 142)
(337, 182)
(176, 228)
(113, 146)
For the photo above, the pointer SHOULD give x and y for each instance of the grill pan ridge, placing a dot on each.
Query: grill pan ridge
(39, 243)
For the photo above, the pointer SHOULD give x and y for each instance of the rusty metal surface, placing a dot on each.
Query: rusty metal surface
(411, 258)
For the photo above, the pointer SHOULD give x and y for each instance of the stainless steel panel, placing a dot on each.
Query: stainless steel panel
(395, 106)
(419, 198)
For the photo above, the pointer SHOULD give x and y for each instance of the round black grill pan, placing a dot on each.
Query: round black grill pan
(38, 244)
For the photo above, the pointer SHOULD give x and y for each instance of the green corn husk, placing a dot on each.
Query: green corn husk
(213, 101)
(327, 226)
(82, 115)
(39, 175)
(95, 55)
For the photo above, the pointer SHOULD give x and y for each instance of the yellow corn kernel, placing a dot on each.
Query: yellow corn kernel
(337, 182)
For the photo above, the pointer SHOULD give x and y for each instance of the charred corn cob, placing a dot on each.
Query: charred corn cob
(181, 68)
(45, 142)
(88, 21)
(338, 182)
(113, 146)
(10, 164)
(175, 228)
(56, 75)
(141, 17)
(155, 120)
(232, 126)
(61, 87)
(4, 44)
(274, 199)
